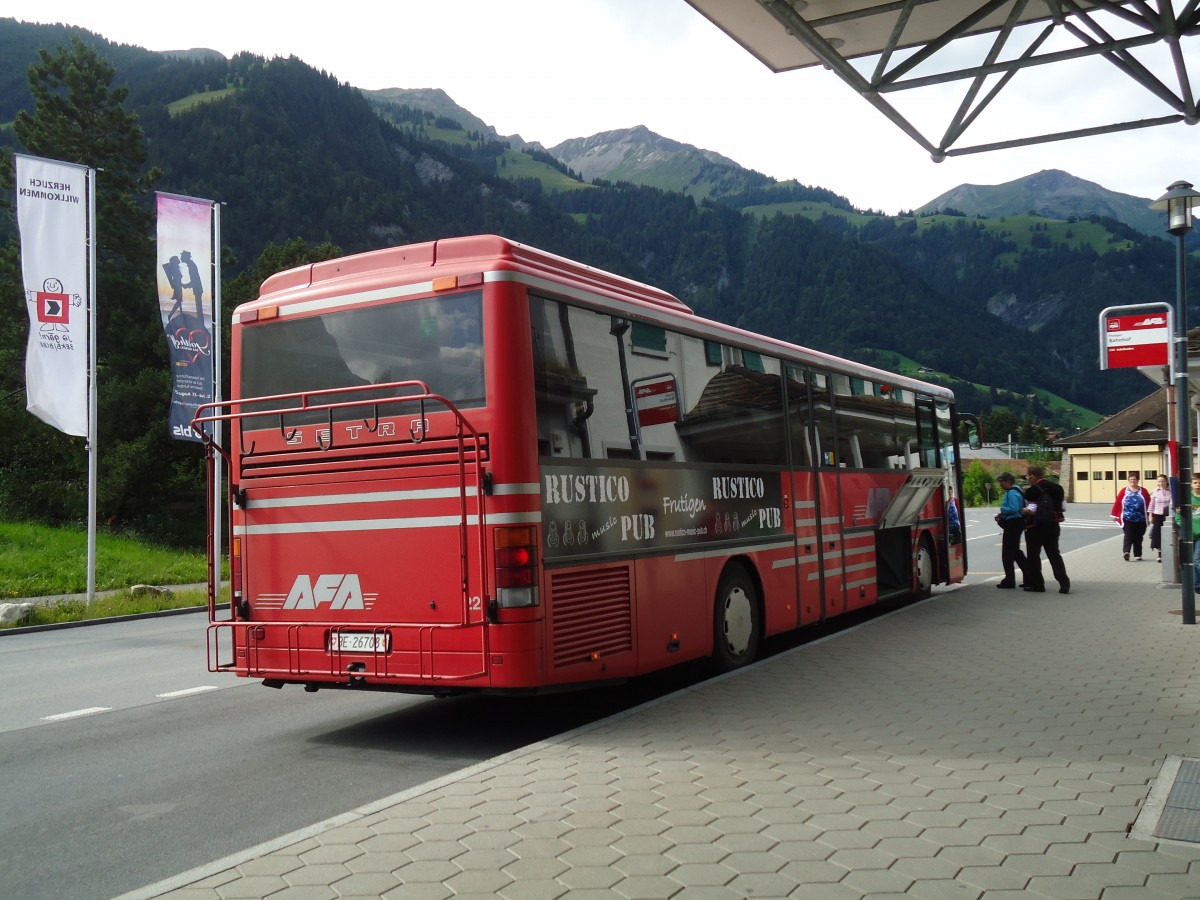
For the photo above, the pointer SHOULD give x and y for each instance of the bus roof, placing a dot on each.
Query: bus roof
(452, 256)
(380, 271)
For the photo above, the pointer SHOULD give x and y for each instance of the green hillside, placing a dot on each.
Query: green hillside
(307, 169)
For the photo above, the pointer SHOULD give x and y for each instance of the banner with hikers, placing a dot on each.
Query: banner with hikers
(185, 301)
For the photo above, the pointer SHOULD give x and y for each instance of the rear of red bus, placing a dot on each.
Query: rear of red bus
(383, 482)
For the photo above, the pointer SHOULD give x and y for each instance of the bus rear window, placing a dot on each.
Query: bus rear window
(438, 341)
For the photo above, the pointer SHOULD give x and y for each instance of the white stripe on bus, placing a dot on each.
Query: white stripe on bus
(733, 551)
(385, 496)
(384, 524)
(327, 303)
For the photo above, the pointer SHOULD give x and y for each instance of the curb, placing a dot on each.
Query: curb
(55, 626)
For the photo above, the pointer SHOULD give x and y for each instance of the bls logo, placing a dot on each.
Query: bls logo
(339, 591)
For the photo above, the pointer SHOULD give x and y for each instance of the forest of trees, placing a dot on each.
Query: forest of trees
(309, 170)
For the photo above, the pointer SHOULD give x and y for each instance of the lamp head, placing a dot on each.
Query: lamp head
(1178, 202)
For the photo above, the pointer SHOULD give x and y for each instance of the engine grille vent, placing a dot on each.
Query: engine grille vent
(591, 612)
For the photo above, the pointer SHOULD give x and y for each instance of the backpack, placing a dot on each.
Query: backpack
(1133, 507)
(1047, 510)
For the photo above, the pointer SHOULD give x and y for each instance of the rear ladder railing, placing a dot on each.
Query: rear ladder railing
(235, 413)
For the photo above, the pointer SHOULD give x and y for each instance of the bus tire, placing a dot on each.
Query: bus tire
(924, 574)
(735, 620)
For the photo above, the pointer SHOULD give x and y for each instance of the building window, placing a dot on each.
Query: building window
(1081, 476)
(649, 337)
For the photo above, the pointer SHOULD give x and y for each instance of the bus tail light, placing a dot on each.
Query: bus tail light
(235, 570)
(516, 566)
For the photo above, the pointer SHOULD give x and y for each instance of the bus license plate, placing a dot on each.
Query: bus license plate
(362, 641)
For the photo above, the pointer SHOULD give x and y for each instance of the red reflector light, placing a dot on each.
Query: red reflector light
(235, 568)
(515, 556)
(473, 278)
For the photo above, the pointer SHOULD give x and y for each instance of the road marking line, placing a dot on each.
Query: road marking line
(186, 691)
(76, 713)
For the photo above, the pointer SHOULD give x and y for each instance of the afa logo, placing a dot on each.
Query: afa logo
(338, 591)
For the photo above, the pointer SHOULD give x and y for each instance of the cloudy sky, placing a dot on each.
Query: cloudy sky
(549, 70)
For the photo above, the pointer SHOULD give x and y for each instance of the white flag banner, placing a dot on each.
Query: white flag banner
(52, 215)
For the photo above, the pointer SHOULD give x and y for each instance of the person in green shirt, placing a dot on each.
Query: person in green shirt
(1195, 526)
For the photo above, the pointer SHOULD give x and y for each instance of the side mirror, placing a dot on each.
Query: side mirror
(973, 430)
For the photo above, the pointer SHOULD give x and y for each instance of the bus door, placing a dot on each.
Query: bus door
(815, 495)
(936, 450)
(956, 542)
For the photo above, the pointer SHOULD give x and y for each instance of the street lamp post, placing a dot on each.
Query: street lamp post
(1178, 202)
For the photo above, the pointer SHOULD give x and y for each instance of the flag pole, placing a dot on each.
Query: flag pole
(218, 505)
(93, 404)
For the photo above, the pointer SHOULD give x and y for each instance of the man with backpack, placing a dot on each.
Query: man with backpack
(1132, 511)
(1044, 510)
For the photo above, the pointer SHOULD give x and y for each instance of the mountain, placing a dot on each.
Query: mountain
(438, 102)
(325, 162)
(640, 156)
(1052, 194)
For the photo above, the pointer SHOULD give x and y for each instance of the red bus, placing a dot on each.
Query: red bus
(470, 465)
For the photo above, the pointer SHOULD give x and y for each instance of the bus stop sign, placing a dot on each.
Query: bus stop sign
(1136, 336)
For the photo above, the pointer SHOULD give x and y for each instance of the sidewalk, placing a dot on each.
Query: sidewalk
(984, 743)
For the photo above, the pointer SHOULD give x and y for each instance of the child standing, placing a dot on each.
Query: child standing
(1160, 508)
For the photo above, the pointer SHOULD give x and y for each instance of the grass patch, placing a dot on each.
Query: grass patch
(38, 561)
(193, 100)
(522, 165)
(122, 603)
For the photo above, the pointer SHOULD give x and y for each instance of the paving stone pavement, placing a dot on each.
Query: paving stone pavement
(983, 744)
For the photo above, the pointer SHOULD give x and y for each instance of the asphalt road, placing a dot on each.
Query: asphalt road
(126, 762)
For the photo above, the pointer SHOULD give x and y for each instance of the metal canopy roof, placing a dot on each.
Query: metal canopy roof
(922, 44)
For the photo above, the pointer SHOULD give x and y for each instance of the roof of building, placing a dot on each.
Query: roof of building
(1145, 422)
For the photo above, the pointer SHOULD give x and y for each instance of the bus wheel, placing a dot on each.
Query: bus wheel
(735, 620)
(924, 574)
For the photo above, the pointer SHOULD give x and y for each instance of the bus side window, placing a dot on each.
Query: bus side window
(799, 410)
(737, 415)
(881, 422)
(565, 400)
